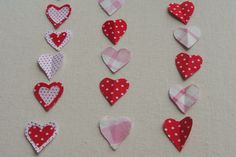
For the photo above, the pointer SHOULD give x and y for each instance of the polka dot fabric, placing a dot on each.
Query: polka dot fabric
(178, 131)
(113, 90)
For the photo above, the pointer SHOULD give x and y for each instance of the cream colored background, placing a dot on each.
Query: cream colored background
(151, 73)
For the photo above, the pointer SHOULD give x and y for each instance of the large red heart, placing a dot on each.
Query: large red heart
(48, 94)
(187, 65)
(114, 30)
(178, 131)
(40, 136)
(113, 90)
(182, 11)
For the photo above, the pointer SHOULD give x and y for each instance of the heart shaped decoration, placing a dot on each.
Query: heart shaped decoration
(50, 64)
(111, 6)
(178, 131)
(58, 39)
(187, 65)
(187, 36)
(40, 136)
(114, 30)
(113, 90)
(115, 60)
(183, 11)
(48, 94)
(58, 15)
(184, 97)
(115, 130)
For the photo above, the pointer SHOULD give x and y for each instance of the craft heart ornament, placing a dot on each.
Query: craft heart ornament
(40, 136)
(114, 30)
(113, 90)
(115, 60)
(111, 6)
(178, 131)
(182, 12)
(115, 130)
(58, 15)
(48, 94)
(184, 97)
(187, 64)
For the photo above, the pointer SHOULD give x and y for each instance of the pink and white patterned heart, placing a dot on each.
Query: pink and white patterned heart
(115, 60)
(184, 97)
(111, 6)
(115, 130)
(50, 64)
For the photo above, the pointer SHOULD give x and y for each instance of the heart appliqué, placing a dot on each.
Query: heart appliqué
(115, 130)
(114, 30)
(184, 97)
(48, 94)
(58, 40)
(58, 15)
(40, 136)
(113, 90)
(115, 60)
(50, 64)
(111, 6)
(187, 64)
(183, 11)
(178, 131)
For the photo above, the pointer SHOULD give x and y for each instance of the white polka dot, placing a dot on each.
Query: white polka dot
(169, 121)
(117, 89)
(176, 134)
(172, 128)
(166, 129)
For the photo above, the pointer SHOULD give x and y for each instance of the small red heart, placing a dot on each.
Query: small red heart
(48, 94)
(182, 11)
(114, 30)
(187, 64)
(113, 90)
(178, 131)
(58, 39)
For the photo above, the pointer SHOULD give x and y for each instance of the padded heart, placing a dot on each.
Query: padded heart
(111, 6)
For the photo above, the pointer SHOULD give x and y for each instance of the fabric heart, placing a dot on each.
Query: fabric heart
(50, 64)
(115, 60)
(114, 30)
(58, 15)
(111, 6)
(178, 131)
(113, 90)
(58, 39)
(182, 11)
(187, 65)
(115, 130)
(48, 94)
(40, 136)
(184, 97)
(187, 36)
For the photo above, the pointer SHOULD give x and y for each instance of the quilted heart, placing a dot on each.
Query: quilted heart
(184, 97)
(115, 130)
(182, 11)
(58, 15)
(114, 30)
(50, 64)
(48, 94)
(187, 65)
(40, 136)
(111, 6)
(115, 60)
(113, 90)
(58, 39)
(178, 131)
(187, 36)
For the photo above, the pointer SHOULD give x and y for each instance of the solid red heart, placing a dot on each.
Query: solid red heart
(182, 11)
(178, 131)
(58, 39)
(113, 90)
(187, 65)
(48, 94)
(114, 30)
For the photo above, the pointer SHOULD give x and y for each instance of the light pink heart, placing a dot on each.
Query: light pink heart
(111, 6)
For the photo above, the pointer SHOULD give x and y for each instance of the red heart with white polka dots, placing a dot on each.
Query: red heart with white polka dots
(113, 90)
(48, 94)
(40, 136)
(114, 30)
(182, 11)
(178, 131)
(187, 64)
